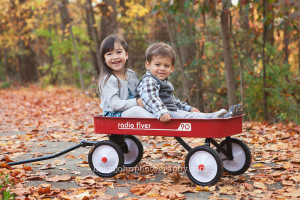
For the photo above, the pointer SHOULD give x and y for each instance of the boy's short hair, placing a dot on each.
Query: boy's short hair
(160, 49)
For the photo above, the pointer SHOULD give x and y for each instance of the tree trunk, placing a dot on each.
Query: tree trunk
(27, 64)
(286, 39)
(51, 59)
(188, 49)
(298, 49)
(244, 18)
(229, 73)
(124, 7)
(200, 68)
(26, 57)
(172, 35)
(77, 59)
(265, 95)
(65, 20)
(54, 75)
(244, 21)
(108, 23)
(93, 35)
(267, 38)
(238, 51)
(6, 67)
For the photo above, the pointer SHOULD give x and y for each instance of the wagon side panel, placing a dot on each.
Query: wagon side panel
(208, 128)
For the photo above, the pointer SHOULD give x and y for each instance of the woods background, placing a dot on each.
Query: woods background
(245, 51)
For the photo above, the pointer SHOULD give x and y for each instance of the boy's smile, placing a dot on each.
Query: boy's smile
(160, 67)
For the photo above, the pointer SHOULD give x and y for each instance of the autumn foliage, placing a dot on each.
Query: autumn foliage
(228, 52)
(66, 115)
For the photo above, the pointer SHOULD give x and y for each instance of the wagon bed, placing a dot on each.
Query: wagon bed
(198, 128)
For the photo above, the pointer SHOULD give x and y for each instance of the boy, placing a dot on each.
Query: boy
(157, 92)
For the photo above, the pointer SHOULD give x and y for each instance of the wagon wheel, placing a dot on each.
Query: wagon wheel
(241, 157)
(106, 158)
(136, 150)
(204, 166)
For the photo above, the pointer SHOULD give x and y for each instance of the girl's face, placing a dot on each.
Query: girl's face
(116, 58)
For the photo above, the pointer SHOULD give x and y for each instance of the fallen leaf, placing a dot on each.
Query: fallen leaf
(82, 196)
(296, 178)
(36, 177)
(44, 190)
(82, 157)
(20, 190)
(38, 163)
(47, 166)
(122, 195)
(27, 168)
(248, 186)
(59, 178)
(175, 177)
(140, 189)
(70, 157)
(59, 162)
(258, 165)
(260, 185)
(229, 190)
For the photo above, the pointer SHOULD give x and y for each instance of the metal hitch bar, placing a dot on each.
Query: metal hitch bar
(82, 143)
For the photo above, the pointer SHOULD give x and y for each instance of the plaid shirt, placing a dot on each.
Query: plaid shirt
(148, 90)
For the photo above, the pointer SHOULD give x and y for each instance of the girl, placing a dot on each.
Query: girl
(117, 85)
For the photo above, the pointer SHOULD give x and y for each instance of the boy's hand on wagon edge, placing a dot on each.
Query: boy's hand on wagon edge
(195, 110)
(165, 118)
(139, 102)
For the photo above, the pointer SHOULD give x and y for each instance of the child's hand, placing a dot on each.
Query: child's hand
(195, 110)
(139, 102)
(165, 118)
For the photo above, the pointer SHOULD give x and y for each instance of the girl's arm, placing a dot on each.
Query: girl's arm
(110, 93)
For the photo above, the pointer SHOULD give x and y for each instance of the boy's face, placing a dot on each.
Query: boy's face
(160, 67)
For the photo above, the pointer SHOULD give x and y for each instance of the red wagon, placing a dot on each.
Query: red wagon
(204, 165)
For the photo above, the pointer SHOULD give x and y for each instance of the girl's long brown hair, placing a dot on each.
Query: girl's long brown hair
(108, 45)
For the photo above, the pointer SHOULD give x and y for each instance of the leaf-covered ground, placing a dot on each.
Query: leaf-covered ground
(32, 117)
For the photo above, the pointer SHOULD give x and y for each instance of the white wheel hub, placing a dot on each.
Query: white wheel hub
(239, 158)
(203, 166)
(133, 153)
(105, 159)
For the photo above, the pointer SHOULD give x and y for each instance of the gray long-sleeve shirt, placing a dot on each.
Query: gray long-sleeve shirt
(115, 98)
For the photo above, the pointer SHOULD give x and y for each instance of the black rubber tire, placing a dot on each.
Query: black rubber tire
(118, 156)
(140, 149)
(246, 154)
(214, 156)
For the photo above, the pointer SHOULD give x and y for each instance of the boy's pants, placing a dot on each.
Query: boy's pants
(191, 115)
(139, 112)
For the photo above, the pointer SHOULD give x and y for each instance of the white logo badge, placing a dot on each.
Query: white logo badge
(185, 127)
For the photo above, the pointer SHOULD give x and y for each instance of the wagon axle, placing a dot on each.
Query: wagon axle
(201, 167)
(104, 159)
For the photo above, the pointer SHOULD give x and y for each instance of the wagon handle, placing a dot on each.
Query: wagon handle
(82, 143)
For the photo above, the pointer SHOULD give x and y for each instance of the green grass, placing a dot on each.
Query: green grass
(4, 188)
(5, 85)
